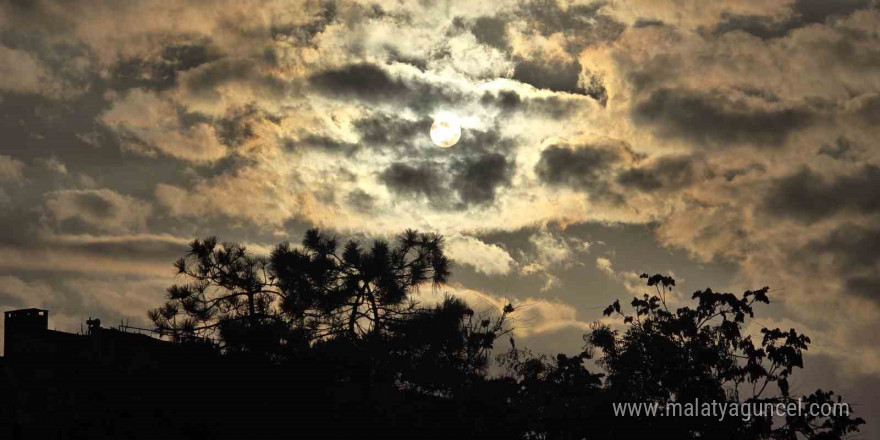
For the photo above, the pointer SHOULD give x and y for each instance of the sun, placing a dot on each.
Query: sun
(446, 130)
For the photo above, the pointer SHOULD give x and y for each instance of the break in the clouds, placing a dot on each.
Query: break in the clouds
(740, 136)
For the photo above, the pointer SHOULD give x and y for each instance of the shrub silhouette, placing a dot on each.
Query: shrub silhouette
(697, 354)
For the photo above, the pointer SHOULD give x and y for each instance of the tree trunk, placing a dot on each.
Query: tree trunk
(252, 312)
(353, 317)
(375, 309)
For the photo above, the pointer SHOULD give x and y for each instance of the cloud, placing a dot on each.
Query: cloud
(148, 123)
(421, 180)
(533, 316)
(234, 196)
(555, 76)
(669, 173)
(580, 25)
(11, 169)
(102, 210)
(631, 280)
(551, 252)
(550, 249)
(867, 286)
(585, 167)
(160, 71)
(868, 108)
(489, 259)
(808, 196)
(803, 13)
(854, 247)
(491, 31)
(387, 131)
(20, 72)
(371, 83)
(712, 118)
(843, 149)
(478, 179)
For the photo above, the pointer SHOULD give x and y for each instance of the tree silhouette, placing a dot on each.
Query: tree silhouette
(315, 342)
(298, 295)
(664, 355)
(359, 292)
(343, 330)
(231, 292)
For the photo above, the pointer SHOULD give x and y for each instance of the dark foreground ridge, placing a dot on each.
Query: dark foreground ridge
(310, 343)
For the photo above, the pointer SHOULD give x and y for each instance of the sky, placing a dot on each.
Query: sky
(731, 144)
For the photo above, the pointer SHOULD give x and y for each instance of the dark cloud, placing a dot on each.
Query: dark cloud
(854, 247)
(360, 200)
(204, 80)
(864, 286)
(869, 109)
(819, 11)
(855, 255)
(595, 88)
(756, 92)
(476, 180)
(21, 221)
(491, 31)
(304, 34)
(853, 49)
(733, 173)
(473, 172)
(549, 17)
(843, 149)
(323, 143)
(650, 74)
(370, 83)
(760, 26)
(549, 106)
(237, 125)
(560, 77)
(477, 143)
(394, 56)
(715, 118)
(386, 131)
(644, 23)
(93, 203)
(425, 179)
(555, 76)
(667, 173)
(10, 301)
(154, 249)
(584, 167)
(803, 13)
(506, 100)
(159, 73)
(808, 197)
(581, 25)
(363, 81)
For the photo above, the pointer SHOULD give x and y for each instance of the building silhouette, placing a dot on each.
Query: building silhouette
(102, 383)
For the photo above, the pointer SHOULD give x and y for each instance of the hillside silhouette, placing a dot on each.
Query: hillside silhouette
(326, 340)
